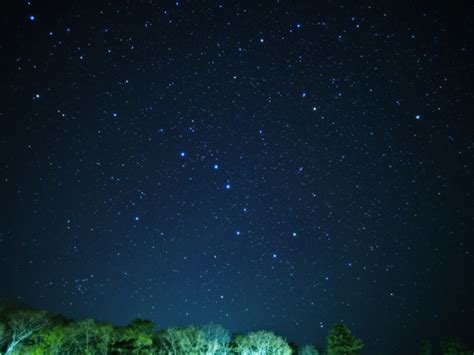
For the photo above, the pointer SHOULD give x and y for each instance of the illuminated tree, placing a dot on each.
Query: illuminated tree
(21, 325)
(217, 339)
(177, 341)
(88, 337)
(340, 341)
(307, 350)
(51, 340)
(261, 343)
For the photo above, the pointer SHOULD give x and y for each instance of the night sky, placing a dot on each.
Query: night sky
(264, 165)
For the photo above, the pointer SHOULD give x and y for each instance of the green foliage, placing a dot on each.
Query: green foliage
(454, 346)
(31, 332)
(136, 338)
(143, 325)
(340, 341)
(87, 337)
(307, 350)
(425, 348)
(190, 340)
(51, 340)
(21, 325)
(3, 335)
(261, 343)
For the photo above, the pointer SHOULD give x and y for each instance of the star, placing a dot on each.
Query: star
(227, 186)
(31, 18)
(418, 117)
(182, 154)
(215, 166)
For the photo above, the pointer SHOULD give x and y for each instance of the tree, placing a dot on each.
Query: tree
(87, 337)
(49, 340)
(3, 335)
(454, 346)
(21, 325)
(340, 341)
(143, 325)
(136, 338)
(307, 350)
(425, 348)
(217, 339)
(177, 341)
(261, 343)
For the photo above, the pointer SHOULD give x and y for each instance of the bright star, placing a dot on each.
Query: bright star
(418, 117)
(227, 186)
(136, 218)
(31, 18)
(216, 166)
(182, 154)
(237, 233)
(274, 256)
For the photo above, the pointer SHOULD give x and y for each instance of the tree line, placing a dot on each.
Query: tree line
(24, 330)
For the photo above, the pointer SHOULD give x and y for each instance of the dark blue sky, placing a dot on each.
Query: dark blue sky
(264, 165)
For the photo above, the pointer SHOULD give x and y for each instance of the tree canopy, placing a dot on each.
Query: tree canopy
(28, 331)
(340, 341)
